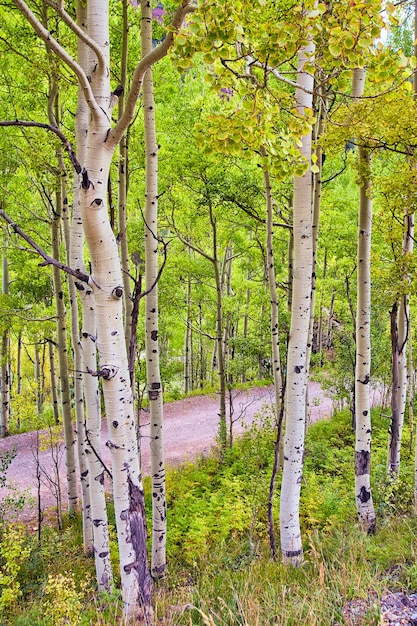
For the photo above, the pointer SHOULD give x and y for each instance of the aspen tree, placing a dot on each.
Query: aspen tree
(106, 277)
(85, 353)
(153, 375)
(296, 389)
(364, 502)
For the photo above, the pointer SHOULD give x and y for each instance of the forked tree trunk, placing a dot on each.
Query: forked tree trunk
(153, 375)
(296, 387)
(364, 502)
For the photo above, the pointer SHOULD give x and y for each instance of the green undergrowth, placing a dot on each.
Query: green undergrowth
(220, 568)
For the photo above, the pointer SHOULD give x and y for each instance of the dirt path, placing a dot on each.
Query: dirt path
(190, 429)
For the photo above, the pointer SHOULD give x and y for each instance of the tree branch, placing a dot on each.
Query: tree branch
(79, 32)
(52, 129)
(144, 64)
(48, 260)
(60, 52)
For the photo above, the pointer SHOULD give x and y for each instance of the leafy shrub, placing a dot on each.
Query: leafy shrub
(62, 603)
(14, 550)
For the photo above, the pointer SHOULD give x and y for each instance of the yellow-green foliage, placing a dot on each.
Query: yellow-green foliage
(13, 553)
(62, 602)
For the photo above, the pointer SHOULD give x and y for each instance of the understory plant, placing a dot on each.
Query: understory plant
(220, 567)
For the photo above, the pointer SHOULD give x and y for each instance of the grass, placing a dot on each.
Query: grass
(220, 569)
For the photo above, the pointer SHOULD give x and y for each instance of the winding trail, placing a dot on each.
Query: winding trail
(190, 429)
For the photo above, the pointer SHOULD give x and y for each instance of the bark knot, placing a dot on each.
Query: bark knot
(117, 292)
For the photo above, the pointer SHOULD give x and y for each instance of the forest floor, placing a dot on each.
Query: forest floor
(190, 429)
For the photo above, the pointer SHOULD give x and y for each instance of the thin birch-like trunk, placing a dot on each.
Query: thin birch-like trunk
(219, 338)
(188, 366)
(61, 336)
(5, 355)
(54, 389)
(315, 227)
(38, 378)
(364, 502)
(153, 375)
(274, 318)
(296, 385)
(19, 372)
(400, 339)
(275, 351)
(123, 186)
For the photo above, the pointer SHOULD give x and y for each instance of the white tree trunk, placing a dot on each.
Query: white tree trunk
(295, 399)
(274, 320)
(106, 276)
(364, 502)
(153, 375)
(106, 282)
(403, 335)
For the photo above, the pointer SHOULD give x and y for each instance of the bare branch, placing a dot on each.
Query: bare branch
(48, 260)
(52, 129)
(60, 52)
(144, 64)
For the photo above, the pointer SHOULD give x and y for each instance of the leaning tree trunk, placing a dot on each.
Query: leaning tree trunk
(153, 375)
(296, 386)
(364, 502)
